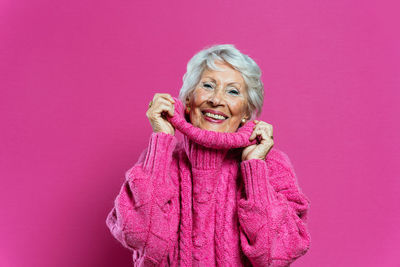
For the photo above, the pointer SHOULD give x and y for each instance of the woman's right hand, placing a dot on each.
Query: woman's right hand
(162, 106)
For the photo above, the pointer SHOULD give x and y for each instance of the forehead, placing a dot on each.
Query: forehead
(225, 73)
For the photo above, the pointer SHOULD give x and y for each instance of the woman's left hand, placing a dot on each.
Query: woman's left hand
(259, 151)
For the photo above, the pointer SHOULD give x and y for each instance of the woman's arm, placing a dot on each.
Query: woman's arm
(145, 218)
(273, 213)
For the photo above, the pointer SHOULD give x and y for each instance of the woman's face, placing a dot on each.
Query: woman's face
(219, 101)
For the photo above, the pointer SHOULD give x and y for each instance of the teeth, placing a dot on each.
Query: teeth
(214, 116)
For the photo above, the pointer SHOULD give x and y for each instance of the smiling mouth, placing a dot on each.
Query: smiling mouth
(214, 116)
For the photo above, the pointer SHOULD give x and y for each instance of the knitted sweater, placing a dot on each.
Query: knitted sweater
(195, 203)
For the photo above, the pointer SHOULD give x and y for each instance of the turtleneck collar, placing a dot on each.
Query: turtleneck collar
(207, 149)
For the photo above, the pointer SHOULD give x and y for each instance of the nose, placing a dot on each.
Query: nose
(216, 98)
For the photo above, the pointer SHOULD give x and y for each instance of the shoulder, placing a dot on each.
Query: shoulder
(277, 157)
(144, 153)
(177, 150)
(281, 171)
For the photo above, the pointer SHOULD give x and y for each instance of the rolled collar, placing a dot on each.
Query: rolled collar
(211, 139)
(207, 149)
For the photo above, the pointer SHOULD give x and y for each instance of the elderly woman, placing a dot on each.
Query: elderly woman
(222, 195)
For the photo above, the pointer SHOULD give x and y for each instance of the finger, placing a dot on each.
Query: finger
(167, 108)
(255, 133)
(268, 129)
(164, 107)
(264, 133)
(268, 126)
(265, 127)
(171, 110)
(264, 137)
(168, 97)
(161, 100)
(266, 143)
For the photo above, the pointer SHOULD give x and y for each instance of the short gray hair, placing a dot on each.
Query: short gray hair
(249, 69)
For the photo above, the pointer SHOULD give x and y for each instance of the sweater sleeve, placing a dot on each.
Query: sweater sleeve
(273, 213)
(144, 218)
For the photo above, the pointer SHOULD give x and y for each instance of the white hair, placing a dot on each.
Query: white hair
(248, 68)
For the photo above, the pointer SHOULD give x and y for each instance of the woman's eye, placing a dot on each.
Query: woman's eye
(207, 85)
(234, 92)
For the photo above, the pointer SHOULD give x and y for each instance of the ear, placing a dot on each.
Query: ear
(247, 114)
(187, 101)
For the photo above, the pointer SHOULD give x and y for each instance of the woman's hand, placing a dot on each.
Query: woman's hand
(162, 105)
(259, 151)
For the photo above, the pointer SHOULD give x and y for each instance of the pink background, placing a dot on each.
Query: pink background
(76, 78)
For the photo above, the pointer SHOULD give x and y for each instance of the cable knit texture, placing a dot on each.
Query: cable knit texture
(194, 203)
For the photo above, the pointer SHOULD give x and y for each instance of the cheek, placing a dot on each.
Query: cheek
(200, 96)
(238, 109)
(195, 114)
(198, 99)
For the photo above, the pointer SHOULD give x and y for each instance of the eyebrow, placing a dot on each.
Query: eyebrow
(234, 83)
(210, 78)
(228, 83)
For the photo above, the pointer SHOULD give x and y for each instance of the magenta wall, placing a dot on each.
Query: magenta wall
(76, 78)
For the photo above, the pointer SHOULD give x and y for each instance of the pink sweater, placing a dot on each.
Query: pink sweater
(194, 203)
